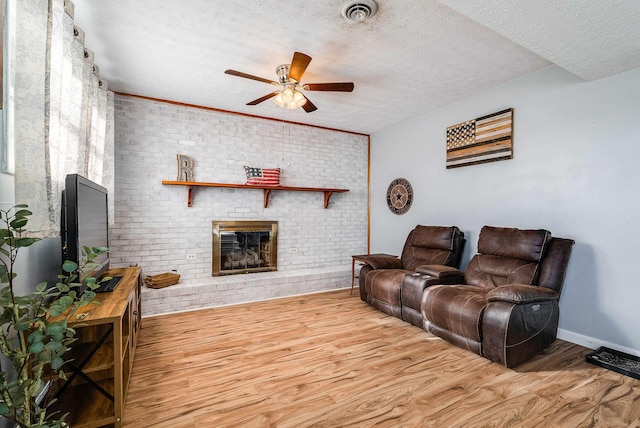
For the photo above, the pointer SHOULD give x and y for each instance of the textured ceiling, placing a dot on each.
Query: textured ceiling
(591, 39)
(409, 59)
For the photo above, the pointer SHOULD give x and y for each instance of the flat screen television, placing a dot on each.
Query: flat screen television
(85, 222)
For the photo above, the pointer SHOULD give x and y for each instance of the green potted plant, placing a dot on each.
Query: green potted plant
(35, 328)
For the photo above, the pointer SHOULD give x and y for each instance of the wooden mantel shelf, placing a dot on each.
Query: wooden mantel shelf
(266, 189)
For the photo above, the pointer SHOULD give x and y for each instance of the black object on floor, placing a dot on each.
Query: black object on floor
(109, 285)
(617, 361)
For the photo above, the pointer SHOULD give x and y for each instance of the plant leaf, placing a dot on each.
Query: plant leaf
(24, 242)
(36, 347)
(54, 345)
(22, 326)
(19, 223)
(56, 327)
(56, 363)
(69, 266)
(4, 274)
(57, 336)
(34, 337)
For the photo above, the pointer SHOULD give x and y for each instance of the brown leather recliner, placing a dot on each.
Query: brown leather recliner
(505, 305)
(392, 285)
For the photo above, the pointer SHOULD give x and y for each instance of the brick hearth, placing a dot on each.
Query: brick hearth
(228, 290)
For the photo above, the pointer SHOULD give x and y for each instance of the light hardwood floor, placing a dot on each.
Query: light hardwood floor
(330, 360)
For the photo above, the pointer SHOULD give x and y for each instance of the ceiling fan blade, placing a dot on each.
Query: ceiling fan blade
(250, 76)
(309, 106)
(338, 87)
(261, 99)
(299, 64)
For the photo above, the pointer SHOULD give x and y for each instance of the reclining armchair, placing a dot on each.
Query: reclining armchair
(392, 284)
(505, 305)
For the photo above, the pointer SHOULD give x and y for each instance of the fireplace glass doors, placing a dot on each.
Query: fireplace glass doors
(244, 247)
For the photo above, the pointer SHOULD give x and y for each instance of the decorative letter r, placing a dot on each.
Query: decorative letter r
(185, 168)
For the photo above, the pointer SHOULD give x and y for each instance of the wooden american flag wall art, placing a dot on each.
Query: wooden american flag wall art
(481, 140)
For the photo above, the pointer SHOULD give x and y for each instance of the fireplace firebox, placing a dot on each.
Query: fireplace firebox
(244, 247)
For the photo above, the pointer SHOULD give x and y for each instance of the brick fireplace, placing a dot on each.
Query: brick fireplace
(244, 247)
(156, 229)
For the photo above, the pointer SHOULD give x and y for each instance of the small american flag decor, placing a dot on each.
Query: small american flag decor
(262, 176)
(481, 140)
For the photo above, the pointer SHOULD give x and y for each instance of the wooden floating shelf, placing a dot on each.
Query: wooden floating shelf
(266, 189)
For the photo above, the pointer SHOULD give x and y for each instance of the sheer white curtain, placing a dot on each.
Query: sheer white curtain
(77, 117)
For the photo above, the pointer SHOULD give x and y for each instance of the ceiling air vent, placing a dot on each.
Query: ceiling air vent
(359, 10)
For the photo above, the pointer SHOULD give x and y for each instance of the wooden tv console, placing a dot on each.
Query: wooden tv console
(98, 374)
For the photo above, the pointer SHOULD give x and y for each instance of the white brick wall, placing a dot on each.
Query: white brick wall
(155, 229)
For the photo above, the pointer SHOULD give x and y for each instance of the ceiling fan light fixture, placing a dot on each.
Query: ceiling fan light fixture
(287, 95)
(298, 99)
(359, 10)
(290, 98)
(278, 100)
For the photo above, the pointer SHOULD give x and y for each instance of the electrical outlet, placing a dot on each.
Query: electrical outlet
(293, 250)
(191, 256)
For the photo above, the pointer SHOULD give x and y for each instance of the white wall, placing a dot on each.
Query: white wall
(574, 172)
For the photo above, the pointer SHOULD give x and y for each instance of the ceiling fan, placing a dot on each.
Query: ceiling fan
(289, 95)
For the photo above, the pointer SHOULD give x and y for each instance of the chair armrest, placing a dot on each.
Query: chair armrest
(382, 262)
(521, 294)
(442, 272)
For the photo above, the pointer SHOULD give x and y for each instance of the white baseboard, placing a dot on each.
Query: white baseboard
(592, 342)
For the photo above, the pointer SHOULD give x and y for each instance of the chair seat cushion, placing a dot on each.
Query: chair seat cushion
(456, 308)
(384, 285)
